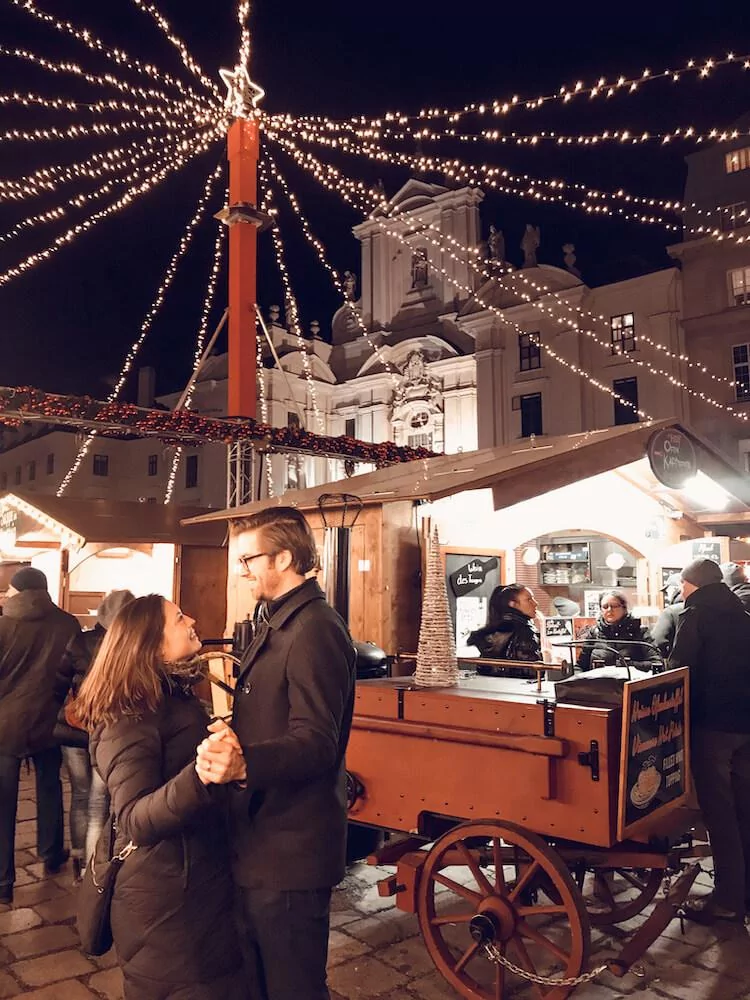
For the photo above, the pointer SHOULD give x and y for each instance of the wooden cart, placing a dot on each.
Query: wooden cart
(525, 822)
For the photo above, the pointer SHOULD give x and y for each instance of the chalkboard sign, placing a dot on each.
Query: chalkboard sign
(654, 756)
(470, 579)
(706, 548)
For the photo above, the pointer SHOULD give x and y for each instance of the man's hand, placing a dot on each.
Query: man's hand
(219, 758)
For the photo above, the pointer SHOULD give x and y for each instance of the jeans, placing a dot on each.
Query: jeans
(721, 771)
(89, 805)
(49, 804)
(285, 939)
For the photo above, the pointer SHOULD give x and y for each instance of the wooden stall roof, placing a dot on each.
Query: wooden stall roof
(515, 472)
(124, 522)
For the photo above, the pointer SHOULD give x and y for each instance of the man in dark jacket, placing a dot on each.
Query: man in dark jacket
(734, 577)
(665, 628)
(35, 674)
(292, 716)
(713, 640)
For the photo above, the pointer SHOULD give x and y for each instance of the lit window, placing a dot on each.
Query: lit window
(739, 286)
(622, 333)
(741, 364)
(101, 465)
(529, 351)
(738, 159)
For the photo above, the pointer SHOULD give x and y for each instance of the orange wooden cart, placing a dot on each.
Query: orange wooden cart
(518, 823)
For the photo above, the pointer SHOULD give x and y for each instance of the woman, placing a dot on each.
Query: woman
(616, 625)
(172, 905)
(510, 633)
(89, 802)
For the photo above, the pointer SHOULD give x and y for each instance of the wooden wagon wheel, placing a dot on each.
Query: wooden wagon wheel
(485, 897)
(612, 895)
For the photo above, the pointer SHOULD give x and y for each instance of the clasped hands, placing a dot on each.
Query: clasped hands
(219, 757)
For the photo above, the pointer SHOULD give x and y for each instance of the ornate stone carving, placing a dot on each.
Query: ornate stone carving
(569, 252)
(350, 285)
(420, 272)
(530, 244)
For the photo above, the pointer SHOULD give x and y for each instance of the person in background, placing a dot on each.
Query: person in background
(171, 910)
(665, 628)
(292, 716)
(713, 641)
(734, 577)
(89, 802)
(616, 624)
(35, 674)
(510, 633)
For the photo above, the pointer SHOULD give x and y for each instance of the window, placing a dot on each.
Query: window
(191, 472)
(739, 286)
(3, 480)
(738, 159)
(153, 465)
(733, 217)
(101, 465)
(350, 427)
(529, 351)
(622, 333)
(18, 475)
(626, 412)
(295, 473)
(31, 471)
(419, 436)
(50, 464)
(292, 420)
(531, 414)
(741, 362)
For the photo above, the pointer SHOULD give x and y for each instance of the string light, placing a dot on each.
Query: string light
(292, 311)
(118, 56)
(243, 16)
(187, 59)
(334, 274)
(263, 395)
(182, 248)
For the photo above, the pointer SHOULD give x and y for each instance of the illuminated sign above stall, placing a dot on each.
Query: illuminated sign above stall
(672, 458)
(8, 528)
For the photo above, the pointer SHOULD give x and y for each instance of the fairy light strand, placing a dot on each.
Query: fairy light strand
(243, 16)
(182, 248)
(118, 56)
(292, 309)
(200, 344)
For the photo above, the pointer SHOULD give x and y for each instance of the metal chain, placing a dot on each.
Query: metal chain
(496, 956)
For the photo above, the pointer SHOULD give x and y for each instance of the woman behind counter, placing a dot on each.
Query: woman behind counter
(510, 633)
(616, 623)
(172, 906)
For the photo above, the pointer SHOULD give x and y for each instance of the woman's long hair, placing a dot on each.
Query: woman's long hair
(500, 606)
(126, 677)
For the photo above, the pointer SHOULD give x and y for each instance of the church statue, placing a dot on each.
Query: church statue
(496, 245)
(379, 191)
(419, 269)
(416, 371)
(530, 245)
(350, 286)
(570, 259)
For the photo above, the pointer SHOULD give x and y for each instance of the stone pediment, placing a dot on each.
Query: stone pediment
(413, 195)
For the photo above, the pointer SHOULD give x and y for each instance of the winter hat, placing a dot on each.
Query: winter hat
(732, 574)
(701, 572)
(673, 582)
(112, 604)
(28, 578)
(566, 608)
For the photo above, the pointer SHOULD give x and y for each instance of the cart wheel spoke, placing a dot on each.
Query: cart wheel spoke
(497, 854)
(524, 880)
(499, 982)
(525, 962)
(540, 911)
(479, 877)
(451, 918)
(467, 956)
(460, 890)
(544, 942)
(601, 881)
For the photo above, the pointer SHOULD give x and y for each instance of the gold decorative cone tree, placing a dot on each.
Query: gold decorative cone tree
(436, 654)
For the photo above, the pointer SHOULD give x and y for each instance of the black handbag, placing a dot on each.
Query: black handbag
(95, 892)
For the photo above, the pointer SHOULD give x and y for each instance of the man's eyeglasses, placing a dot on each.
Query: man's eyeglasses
(246, 561)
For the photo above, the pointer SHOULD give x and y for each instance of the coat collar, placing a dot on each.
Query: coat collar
(292, 602)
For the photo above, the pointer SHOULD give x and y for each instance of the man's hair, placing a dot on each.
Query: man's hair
(283, 529)
(127, 675)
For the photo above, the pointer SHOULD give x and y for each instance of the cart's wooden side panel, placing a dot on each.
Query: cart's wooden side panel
(405, 775)
(377, 701)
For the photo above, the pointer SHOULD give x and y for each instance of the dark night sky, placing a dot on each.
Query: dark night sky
(66, 325)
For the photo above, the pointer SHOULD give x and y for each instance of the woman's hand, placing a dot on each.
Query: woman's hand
(219, 758)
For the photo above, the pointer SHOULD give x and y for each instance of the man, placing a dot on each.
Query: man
(35, 674)
(734, 577)
(292, 715)
(713, 640)
(665, 629)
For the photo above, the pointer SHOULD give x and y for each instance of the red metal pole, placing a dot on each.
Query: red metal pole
(243, 146)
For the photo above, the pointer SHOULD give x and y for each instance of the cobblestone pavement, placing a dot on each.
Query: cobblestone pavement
(376, 951)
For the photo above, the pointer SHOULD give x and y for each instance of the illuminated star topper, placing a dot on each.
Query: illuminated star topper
(243, 95)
